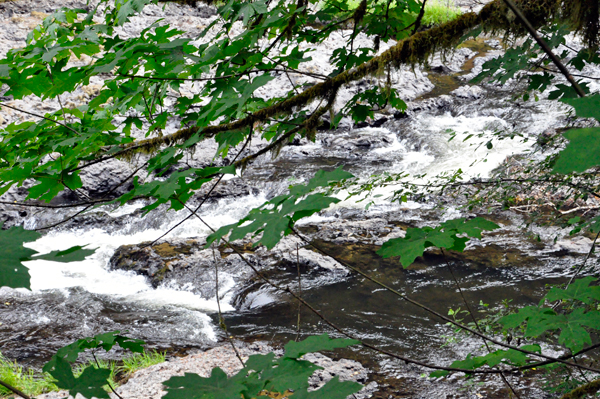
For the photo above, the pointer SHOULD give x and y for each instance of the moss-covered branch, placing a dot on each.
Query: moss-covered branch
(587, 389)
(494, 17)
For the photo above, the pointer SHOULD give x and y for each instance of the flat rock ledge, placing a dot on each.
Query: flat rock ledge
(147, 383)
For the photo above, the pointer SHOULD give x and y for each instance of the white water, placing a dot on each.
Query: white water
(435, 155)
(93, 276)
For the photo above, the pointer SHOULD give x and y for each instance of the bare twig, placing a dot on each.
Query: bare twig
(107, 382)
(504, 379)
(419, 17)
(439, 315)
(299, 287)
(221, 319)
(40, 116)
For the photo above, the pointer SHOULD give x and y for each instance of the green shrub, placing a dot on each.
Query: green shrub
(141, 361)
(438, 12)
(26, 380)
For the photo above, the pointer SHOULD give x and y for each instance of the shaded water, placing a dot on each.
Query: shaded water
(381, 318)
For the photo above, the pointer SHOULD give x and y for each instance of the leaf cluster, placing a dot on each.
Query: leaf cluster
(266, 375)
(91, 379)
(276, 218)
(452, 235)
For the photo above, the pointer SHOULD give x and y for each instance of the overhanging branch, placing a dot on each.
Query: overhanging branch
(411, 50)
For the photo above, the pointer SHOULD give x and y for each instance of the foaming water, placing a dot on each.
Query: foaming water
(94, 277)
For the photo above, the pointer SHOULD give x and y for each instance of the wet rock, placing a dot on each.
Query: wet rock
(110, 178)
(379, 122)
(492, 255)
(400, 114)
(546, 136)
(153, 261)
(494, 43)
(367, 138)
(468, 92)
(446, 64)
(431, 104)
(576, 245)
(441, 69)
(185, 265)
(232, 188)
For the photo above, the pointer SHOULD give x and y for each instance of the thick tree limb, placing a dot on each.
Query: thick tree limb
(587, 389)
(411, 50)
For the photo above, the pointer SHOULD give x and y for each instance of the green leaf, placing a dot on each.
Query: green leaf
(333, 389)
(417, 240)
(582, 151)
(89, 384)
(192, 386)
(528, 312)
(275, 218)
(438, 373)
(295, 350)
(414, 244)
(290, 374)
(542, 319)
(579, 290)
(472, 227)
(106, 341)
(73, 254)
(586, 107)
(128, 8)
(573, 335)
(12, 252)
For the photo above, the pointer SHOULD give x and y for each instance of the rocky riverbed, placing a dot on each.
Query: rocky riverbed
(146, 383)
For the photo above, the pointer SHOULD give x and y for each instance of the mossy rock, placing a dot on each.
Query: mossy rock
(154, 261)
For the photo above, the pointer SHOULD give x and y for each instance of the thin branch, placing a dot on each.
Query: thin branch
(331, 324)
(235, 75)
(437, 314)
(299, 288)
(419, 17)
(40, 116)
(29, 205)
(388, 353)
(403, 52)
(584, 261)
(107, 382)
(13, 389)
(91, 205)
(545, 47)
(504, 379)
(204, 200)
(221, 319)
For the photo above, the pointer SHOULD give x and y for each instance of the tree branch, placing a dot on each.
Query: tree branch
(545, 47)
